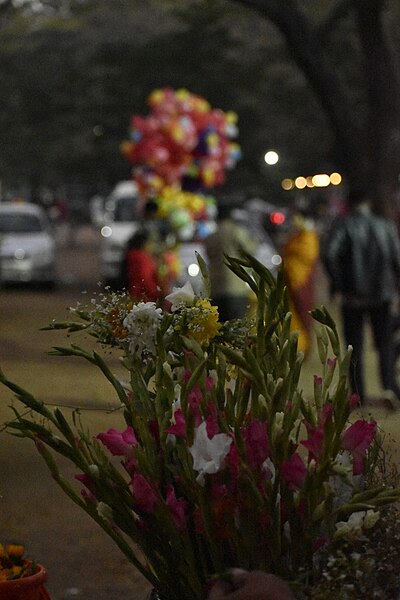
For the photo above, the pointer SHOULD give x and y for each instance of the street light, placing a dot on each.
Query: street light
(271, 157)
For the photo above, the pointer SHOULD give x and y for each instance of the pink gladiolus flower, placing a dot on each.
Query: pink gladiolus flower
(357, 439)
(88, 493)
(255, 437)
(326, 413)
(331, 362)
(130, 465)
(218, 490)
(354, 401)
(194, 398)
(143, 494)
(187, 374)
(155, 431)
(86, 480)
(319, 543)
(212, 427)
(178, 508)
(119, 443)
(179, 427)
(212, 410)
(233, 461)
(315, 443)
(209, 383)
(198, 522)
(294, 471)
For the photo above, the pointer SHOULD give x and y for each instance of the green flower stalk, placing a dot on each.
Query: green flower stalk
(220, 460)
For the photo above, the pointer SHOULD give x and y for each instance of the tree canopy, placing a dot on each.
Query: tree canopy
(313, 79)
(349, 52)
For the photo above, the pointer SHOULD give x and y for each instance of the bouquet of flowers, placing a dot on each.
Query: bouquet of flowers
(220, 460)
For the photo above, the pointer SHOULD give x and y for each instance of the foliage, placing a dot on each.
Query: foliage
(222, 461)
(360, 96)
(70, 109)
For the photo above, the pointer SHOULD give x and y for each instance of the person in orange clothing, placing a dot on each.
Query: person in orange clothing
(142, 273)
(300, 256)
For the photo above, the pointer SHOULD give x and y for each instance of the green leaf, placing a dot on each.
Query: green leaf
(204, 275)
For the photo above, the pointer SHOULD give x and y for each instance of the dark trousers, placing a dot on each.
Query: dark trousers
(381, 320)
(231, 307)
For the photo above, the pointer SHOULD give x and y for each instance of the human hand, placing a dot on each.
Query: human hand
(250, 585)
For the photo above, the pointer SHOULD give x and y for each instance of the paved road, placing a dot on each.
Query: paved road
(81, 561)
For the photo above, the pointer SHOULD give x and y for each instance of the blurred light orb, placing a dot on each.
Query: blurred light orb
(321, 180)
(335, 179)
(287, 184)
(276, 260)
(309, 182)
(277, 217)
(98, 130)
(300, 183)
(106, 231)
(193, 270)
(271, 157)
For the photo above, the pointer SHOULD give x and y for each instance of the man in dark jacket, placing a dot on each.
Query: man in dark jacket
(362, 258)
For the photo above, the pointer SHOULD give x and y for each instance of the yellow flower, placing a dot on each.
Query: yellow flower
(16, 571)
(204, 324)
(15, 550)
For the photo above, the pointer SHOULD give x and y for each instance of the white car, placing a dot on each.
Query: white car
(119, 223)
(27, 245)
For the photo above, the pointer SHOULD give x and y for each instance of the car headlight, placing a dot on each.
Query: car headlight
(20, 254)
(106, 231)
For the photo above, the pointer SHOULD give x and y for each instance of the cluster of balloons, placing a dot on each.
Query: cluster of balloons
(181, 208)
(182, 144)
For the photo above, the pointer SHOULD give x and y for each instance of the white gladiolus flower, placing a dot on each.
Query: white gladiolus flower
(269, 468)
(94, 471)
(181, 296)
(208, 455)
(355, 524)
(279, 417)
(104, 511)
(176, 404)
(167, 369)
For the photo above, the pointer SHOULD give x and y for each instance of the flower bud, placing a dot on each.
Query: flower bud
(104, 511)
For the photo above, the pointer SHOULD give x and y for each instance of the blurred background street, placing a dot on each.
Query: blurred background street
(82, 562)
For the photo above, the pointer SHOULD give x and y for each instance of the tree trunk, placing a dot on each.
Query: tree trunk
(383, 126)
(368, 153)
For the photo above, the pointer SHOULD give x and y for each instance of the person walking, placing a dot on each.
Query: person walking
(300, 255)
(361, 255)
(230, 293)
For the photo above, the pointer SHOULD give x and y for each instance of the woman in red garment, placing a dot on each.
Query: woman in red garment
(143, 282)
